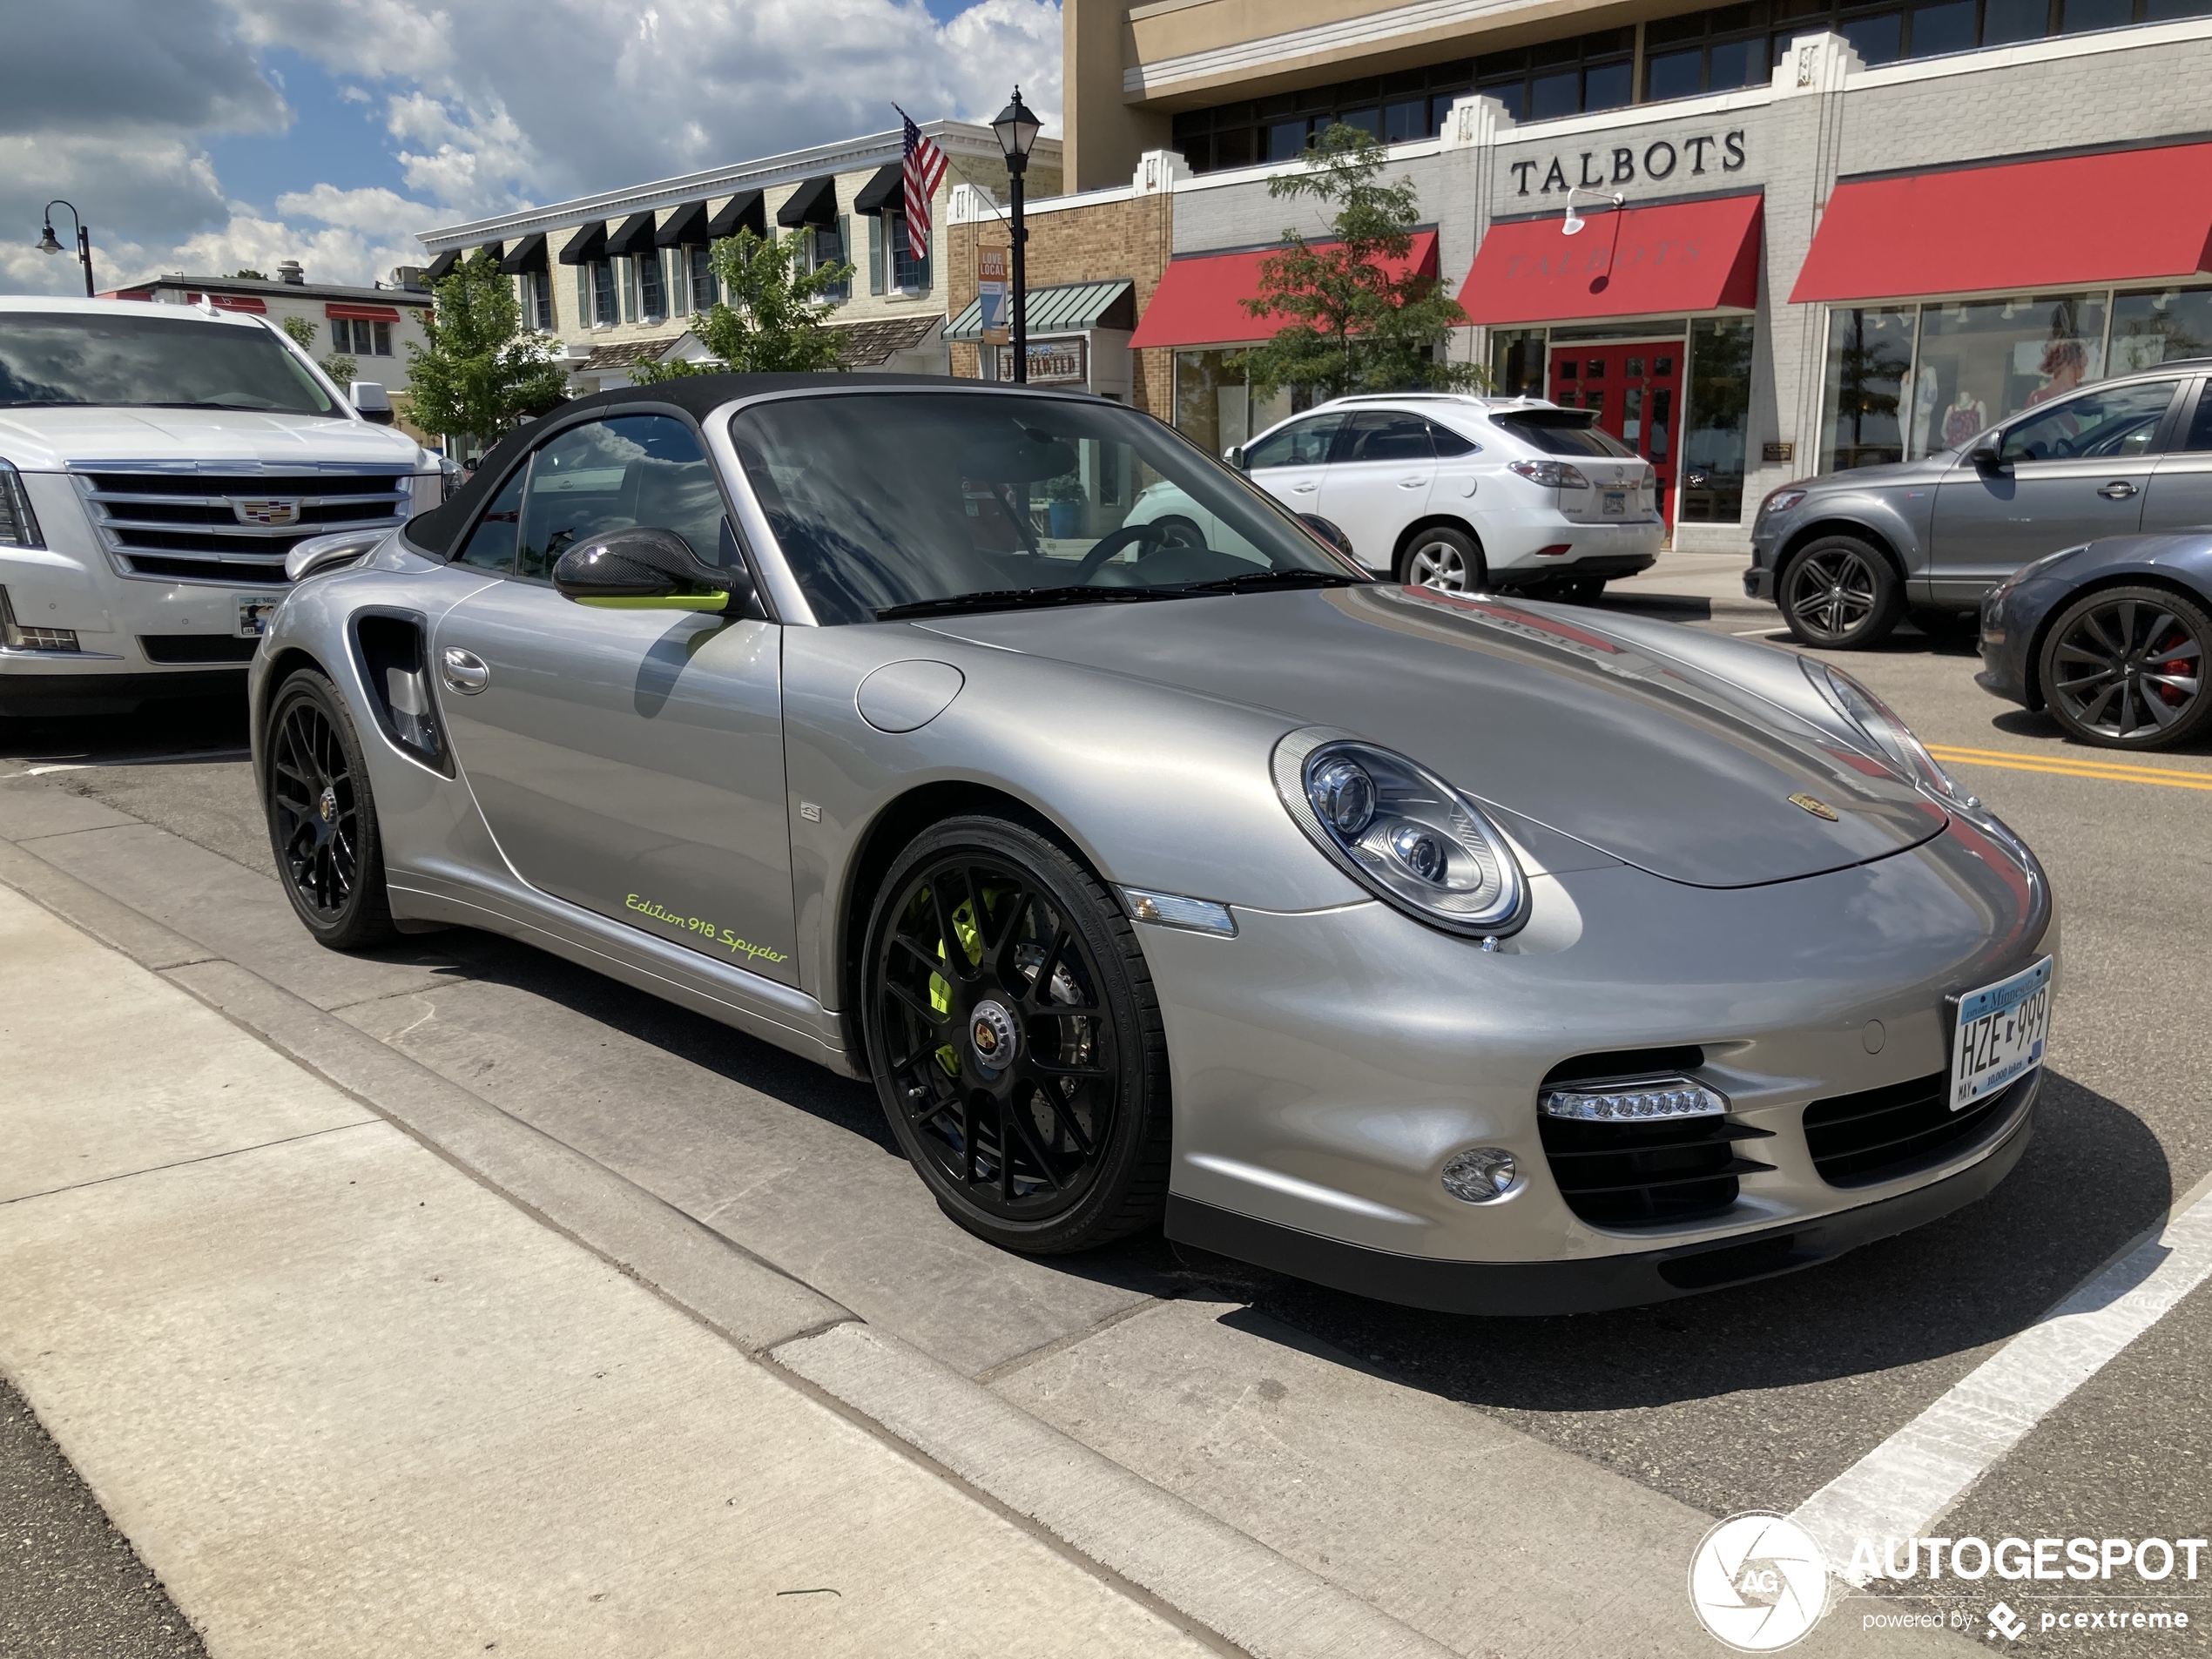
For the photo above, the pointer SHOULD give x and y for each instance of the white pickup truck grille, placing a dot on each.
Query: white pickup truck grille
(232, 528)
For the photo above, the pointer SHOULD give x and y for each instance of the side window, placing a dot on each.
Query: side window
(1449, 442)
(2112, 423)
(1304, 444)
(2200, 432)
(634, 469)
(490, 546)
(1382, 434)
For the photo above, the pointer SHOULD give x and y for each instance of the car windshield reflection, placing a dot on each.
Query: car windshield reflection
(916, 503)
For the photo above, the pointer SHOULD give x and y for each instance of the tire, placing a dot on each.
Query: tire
(1183, 530)
(322, 818)
(1840, 593)
(959, 1057)
(2123, 668)
(1445, 558)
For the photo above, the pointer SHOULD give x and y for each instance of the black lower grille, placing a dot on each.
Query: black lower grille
(1880, 1134)
(1643, 1174)
(244, 575)
(197, 648)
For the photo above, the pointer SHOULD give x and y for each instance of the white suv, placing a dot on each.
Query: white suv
(1459, 492)
(158, 462)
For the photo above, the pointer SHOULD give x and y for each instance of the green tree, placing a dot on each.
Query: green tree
(251, 276)
(774, 317)
(340, 367)
(1353, 327)
(481, 372)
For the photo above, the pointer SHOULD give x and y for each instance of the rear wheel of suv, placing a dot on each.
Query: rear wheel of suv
(1841, 593)
(1442, 557)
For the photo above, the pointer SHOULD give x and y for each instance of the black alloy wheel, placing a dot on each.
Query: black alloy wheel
(322, 820)
(1841, 594)
(1015, 1040)
(2123, 668)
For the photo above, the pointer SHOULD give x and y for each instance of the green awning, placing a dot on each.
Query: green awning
(1070, 309)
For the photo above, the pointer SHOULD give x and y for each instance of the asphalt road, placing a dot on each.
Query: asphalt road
(1752, 1398)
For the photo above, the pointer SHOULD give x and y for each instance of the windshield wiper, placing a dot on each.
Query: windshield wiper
(1023, 599)
(1252, 581)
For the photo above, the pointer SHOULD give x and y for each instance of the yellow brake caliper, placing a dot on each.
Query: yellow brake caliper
(940, 993)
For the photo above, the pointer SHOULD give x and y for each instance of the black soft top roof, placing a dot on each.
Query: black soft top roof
(697, 395)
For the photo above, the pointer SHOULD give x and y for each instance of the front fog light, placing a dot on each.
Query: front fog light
(1480, 1174)
(1651, 1101)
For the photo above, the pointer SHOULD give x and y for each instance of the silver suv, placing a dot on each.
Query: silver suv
(1846, 555)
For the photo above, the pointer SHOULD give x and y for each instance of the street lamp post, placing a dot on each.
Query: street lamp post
(48, 244)
(1017, 128)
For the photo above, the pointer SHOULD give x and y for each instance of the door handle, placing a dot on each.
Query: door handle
(1415, 483)
(2118, 489)
(1304, 489)
(462, 671)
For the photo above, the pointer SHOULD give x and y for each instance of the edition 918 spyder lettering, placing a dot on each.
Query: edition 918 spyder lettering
(706, 929)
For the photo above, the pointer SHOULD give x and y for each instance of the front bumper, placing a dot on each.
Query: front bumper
(1593, 1287)
(1328, 1064)
(2009, 621)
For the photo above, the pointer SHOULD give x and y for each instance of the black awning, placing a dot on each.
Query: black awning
(686, 227)
(887, 189)
(442, 267)
(813, 203)
(636, 235)
(743, 212)
(588, 243)
(529, 255)
(494, 251)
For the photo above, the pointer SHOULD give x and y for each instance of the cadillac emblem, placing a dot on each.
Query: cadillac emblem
(1814, 804)
(271, 511)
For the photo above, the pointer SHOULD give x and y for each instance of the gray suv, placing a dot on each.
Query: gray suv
(1845, 556)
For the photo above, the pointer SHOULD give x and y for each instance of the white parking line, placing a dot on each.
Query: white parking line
(1903, 1486)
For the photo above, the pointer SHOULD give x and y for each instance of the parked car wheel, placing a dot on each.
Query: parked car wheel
(1180, 531)
(322, 818)
(2123, 668)
(1016, 1040)
(1444, 558)
(1842, 594)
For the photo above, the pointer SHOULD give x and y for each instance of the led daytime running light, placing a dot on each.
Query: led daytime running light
(1652, 1100)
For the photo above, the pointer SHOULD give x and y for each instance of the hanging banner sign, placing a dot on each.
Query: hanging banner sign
(992, 287)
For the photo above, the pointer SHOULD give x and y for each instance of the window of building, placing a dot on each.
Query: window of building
(537, 300)
(1870, 362)
(706, 290)
(604, 302)
(1719, 403)
(361, 337)
(825, 245)
(1396, 108)
(909, 274)
(652, 298)
(1214, 404)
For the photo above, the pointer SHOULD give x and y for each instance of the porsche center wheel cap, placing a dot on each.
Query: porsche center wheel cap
(994, 1035)
(327, 804)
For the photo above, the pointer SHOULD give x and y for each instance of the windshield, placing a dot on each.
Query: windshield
(910, 503)
(1562, 432)
(150, 362)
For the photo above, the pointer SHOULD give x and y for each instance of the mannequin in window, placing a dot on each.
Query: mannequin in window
(2065, 366)
(1965, 417)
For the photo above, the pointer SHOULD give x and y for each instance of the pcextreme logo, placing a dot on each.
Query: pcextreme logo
(706, 929)
(1758, 1582)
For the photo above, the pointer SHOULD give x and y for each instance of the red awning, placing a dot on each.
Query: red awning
(1200, 301)
(229, 301)
(2126, 216)
(1625, 262)
(362, 314)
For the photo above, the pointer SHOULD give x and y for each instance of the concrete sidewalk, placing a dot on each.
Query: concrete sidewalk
(345, 1399)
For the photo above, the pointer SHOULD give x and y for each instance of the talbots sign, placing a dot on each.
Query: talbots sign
(1654, 162)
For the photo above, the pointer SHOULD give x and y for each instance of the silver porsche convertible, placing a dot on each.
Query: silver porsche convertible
(1473, 955)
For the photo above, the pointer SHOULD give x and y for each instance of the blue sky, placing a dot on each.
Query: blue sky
(205, 135)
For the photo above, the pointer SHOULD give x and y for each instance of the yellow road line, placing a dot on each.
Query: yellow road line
(2066, 766)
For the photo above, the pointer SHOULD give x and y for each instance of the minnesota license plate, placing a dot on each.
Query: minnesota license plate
(1616, 503)
(253, 614)
(2001, 1031)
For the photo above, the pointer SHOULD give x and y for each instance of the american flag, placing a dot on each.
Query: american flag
(925, 170)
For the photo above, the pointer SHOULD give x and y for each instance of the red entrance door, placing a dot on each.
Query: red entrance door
(1636, 389)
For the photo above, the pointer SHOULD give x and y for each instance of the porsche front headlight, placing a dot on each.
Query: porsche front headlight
(1872, 719)
(1402, 832)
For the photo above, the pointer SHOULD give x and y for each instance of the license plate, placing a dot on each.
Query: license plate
(253, 614)
(2001, 1031)
(1616, 503)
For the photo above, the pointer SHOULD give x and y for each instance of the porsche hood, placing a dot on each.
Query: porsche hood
(1650, 760)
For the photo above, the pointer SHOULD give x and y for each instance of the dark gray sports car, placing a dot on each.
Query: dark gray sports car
(1467, 953)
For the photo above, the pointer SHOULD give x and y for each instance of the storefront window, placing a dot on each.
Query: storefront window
(1983, 360)
(1517, 361)
(1719, 401)
(2148, 329)
(1869, 358)
(1214, 404)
